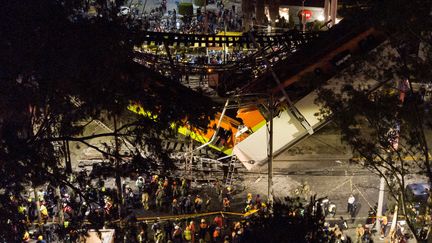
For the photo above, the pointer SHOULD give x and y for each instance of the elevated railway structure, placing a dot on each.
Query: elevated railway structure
(290, 57)
(275, 45)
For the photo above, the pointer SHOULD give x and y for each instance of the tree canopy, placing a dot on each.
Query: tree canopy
(60, 67)
(387, 128)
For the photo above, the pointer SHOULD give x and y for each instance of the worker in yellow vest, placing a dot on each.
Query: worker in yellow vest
(44, 212)
(187, 234)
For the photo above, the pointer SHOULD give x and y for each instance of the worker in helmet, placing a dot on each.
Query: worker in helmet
(226, 204)
(26, 237)
(249, 199)
(40, 239)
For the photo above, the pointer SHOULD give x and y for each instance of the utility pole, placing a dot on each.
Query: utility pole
(37, 207)
(59, 205)
(117, 170)
(270, 150)
(206, 18)
(333, 11)
(67, 159)
(326, 10)
(303, 17)
(143, 9)
(380, 204)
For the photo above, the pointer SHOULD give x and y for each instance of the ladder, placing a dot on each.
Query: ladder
(189, 161)
(231, 166)
(231, 170)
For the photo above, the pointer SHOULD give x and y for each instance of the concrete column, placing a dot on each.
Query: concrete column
(247, 9)
(333, 11)
(259, 11)
(274, 10)
(326, 10)
(38, 208)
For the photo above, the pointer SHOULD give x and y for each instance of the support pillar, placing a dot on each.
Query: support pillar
(333, 11)
(326, 10)
(274, 11)
(259, 11)
(270, 152)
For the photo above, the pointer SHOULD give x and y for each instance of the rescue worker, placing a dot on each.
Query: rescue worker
(257, 201)
(226, 239)
(264, 209)
(40, 239)
(359, 233)
(168, 227)
(203, 230)
(192, 229)
(229, 192)
(384, 222)
(44, 212)
(160, 182)
(249, 199)
(337, 231)
(226, 204)
(155, 179)
(188, 233)
(217, 235)
(160, 194)
(237, 226)
(145, 197)
(183, 189)
(129, 197)
(142, 236)
(175, 190)
(207, 203)
(174, 206)
(140, 184)
(22, 211)
(177, 234)
(40, 195)
(198, 204)
(165, 183)
(218, 187)
(306, 190)
(156, 225)
(108, 205)
(159, 237)
(332, 209)
(350, 205)
(247, 208)
(26, 237)
(188, 204)
(218, 221)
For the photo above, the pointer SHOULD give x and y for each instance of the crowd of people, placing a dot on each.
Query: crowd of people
(91, 201)
(161, 19)
(205, 229)
(182, 211)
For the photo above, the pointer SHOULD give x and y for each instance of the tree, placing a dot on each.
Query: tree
(247, 10)
(259, 11)
(200, 3)
(387, 128)
(60, 69)
(274, 10)
(185, 9)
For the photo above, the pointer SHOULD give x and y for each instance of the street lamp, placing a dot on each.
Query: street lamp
(303, 17)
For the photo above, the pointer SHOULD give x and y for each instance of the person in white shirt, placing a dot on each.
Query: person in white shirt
(351, 201)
